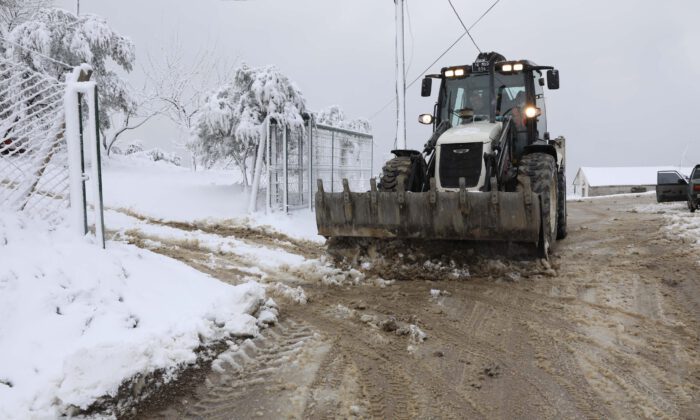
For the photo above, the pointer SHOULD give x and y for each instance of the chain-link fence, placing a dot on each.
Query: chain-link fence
(33, 155)
(297, 157)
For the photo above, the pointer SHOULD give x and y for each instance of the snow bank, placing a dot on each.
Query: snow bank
(77, 320)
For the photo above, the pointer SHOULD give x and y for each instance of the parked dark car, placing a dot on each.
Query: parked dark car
(671, 186)
(694, 189)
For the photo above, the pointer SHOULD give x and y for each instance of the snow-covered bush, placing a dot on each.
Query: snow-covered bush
(157, 155)
(133, 147)
(231, 122)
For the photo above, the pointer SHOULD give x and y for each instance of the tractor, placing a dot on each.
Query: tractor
(489, 172)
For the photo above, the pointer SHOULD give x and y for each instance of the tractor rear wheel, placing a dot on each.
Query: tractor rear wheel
(408, 167)
(561, 205)
(541, 169)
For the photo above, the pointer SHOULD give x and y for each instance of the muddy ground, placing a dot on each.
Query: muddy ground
(610, 330)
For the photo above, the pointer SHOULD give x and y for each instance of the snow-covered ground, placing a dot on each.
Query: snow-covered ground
(78, 320)
(167, 192)
(680, 222)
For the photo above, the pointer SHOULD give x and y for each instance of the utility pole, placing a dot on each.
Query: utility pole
(77, 7)
(400, 78)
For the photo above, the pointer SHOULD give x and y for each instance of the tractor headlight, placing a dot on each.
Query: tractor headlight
(425, 119)
(459, 72)
(449, 73)
(507, 68)
(518, 67)
(531, 112)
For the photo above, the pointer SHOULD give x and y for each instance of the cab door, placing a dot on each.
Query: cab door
(671, 186)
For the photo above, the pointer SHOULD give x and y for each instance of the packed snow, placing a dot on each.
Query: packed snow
(78, 320)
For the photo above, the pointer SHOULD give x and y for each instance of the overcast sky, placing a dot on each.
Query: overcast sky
(629, 69)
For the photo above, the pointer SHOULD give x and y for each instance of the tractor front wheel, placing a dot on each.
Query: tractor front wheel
(409, 168)
(541, 169)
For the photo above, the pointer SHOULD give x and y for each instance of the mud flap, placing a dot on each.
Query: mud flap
(449, 215)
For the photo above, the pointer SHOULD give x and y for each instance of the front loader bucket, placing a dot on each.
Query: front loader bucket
(459, 215)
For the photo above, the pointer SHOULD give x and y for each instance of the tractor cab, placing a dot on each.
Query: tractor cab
(491, 89)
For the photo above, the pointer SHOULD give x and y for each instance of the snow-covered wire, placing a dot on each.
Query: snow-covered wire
(67, 66)
(391, 101)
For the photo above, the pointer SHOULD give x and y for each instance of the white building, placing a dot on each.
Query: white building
(596, 181)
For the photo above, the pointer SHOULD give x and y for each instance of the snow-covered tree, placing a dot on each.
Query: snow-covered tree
(71, 39)
(231, 122)
(335, 117)
(179, 86)
(15, 12)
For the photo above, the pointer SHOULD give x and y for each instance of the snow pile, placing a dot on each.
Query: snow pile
(77, 320)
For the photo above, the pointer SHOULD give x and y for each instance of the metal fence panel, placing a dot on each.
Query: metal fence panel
(33, 155)
(297, 157)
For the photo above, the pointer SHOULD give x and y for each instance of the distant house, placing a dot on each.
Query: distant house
(597, 181)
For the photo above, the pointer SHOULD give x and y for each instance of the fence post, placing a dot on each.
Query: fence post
(332, 160)
(269, 166)
(285, 169)
(311, 163)
(94, 124)
(371, 159)
(300, 167)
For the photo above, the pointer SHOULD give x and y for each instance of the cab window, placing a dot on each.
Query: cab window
(696, 174)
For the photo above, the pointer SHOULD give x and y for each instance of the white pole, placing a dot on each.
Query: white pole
(72, 134)
(400, 79)
(77, 7)
(252, 206)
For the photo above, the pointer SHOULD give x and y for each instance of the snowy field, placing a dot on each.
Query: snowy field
(167, 192)
(77, 321)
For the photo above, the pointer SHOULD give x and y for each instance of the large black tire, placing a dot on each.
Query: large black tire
(691, 206)
(541, 169)
(561, 205)
(410, 167)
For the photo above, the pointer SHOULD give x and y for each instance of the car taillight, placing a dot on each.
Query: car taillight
(696, 187)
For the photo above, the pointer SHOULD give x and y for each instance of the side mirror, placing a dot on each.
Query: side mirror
(553, 79)
(426, 87)
(425, 119)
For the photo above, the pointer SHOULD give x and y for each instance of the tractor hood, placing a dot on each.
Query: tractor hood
(476, 132)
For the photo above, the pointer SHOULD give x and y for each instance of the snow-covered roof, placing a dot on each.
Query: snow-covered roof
(630, 175)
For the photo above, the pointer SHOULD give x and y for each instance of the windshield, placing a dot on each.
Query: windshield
(462, 97)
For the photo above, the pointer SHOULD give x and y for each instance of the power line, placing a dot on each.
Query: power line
(437, 59)
(463, 25)
(413, 40)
